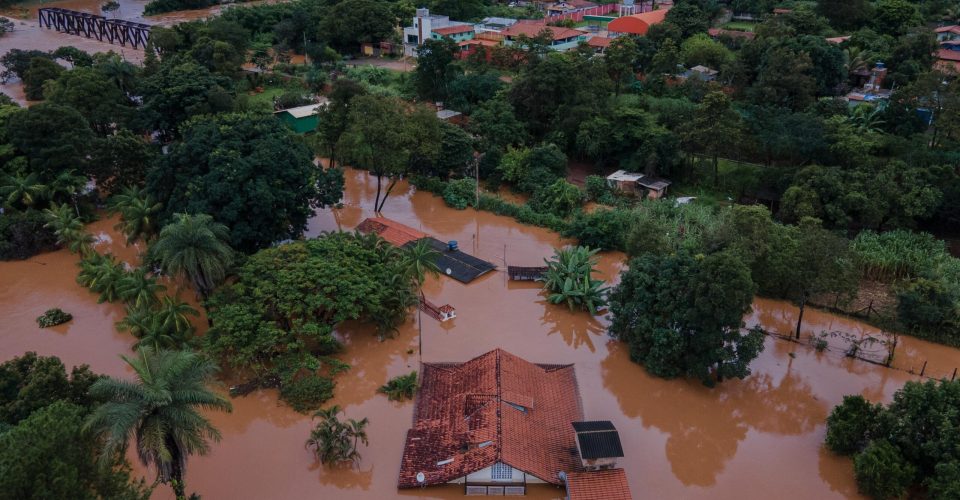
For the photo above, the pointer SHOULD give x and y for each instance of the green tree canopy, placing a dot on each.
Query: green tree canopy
(249, 172)
(681, 315)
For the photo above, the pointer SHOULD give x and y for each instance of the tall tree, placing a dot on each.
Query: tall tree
(138, 213)
(161, 408)
(435, 70)
(682, 315)
(247, 171)
(716, 126)
(195, 247)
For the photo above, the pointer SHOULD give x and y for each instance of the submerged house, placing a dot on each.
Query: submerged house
(498, 423)
(638, 184)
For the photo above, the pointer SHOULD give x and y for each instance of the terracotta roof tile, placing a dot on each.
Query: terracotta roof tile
(463, 414)
(394, 232)
(610, 484)
(531, 30)
(948, 55)
(452, 30)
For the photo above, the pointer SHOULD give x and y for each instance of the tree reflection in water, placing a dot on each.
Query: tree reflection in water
(705, 426)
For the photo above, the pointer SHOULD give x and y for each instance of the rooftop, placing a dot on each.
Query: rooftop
(531, 30)
(948, 29)
(394, 232)
(948, 55)
(496, 407)
(453, 30)
(599, 41)
(610, 484)
(304, 111)
(637, 24)
(623, 175)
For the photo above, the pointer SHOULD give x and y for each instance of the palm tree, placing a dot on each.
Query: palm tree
(23, 190)
(138, 321)
(68, 228)
(119, 71)
(65, 186)
(334, 441)
(102, 274)
(419, 261)
(138, 212)
(160, 410)
(400, 387)
(196, 247)
(172, 315)
(139, 289)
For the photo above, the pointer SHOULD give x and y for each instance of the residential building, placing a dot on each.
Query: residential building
(498, 423)
(636, 24)
(423, 27)
(638, 184)
(495, 23)
(948, 57)
(699, 72)
(599, 485)
(599, 43)
(457, 33)
(948, 33)
(561, 38)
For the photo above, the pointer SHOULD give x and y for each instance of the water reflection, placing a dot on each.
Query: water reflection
(705, 426)
(576, 332)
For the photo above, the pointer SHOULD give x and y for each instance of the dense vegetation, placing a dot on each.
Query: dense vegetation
(910, 443)
(44, 449)
(276, 322)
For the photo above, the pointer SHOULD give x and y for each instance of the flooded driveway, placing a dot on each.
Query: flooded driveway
(756, 438)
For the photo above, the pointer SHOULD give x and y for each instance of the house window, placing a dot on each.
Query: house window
(501, 472)
(412, 39)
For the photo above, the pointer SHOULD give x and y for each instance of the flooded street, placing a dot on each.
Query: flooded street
(756, 438)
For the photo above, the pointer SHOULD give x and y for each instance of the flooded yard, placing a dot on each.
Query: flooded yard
(759, 438)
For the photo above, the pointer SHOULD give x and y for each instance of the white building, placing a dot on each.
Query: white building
(423, 25)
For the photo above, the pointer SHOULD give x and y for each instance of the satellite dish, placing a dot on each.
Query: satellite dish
(421, 478)
(449, 271)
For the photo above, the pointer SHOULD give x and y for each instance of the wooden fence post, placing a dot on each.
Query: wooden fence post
(924, 369)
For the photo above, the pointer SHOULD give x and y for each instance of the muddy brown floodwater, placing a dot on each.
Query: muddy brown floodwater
(756, 438)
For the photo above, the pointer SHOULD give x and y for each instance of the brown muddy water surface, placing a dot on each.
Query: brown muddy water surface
(756, 438)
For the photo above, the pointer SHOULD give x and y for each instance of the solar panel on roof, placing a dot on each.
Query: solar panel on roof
(594, 425)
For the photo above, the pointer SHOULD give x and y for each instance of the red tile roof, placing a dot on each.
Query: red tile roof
(494, 408)
(390, 230)
(599, 41)
(453, 30)
(531, 30)
(948, 29)
(610, 484)
(637, 24)
(948, 55)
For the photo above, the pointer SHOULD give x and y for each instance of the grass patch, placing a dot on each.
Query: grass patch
(740, 26)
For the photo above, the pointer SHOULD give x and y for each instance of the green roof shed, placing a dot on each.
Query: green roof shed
(301, 119)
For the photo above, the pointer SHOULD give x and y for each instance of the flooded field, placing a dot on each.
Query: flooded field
(756, 438)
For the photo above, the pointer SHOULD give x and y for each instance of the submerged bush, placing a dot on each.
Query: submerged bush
(460, 193)
(53, 317)
(882, 472)
(400, 387)
(306, 393)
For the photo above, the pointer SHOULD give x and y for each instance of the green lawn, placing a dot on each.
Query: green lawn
(267, 96)
(740, 26)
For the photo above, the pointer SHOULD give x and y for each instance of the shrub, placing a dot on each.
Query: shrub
(604, 228)
(560, 198)
(850, 425)
(882, 472)
(897, 254)
(433, 185)
(598, 190)
(460, 193)
(53, 317)
(307, 393)
(23, 235)
(400, 387)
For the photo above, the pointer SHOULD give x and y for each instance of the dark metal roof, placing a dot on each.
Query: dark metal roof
(598, 439)
(594, 425)
(463, 267)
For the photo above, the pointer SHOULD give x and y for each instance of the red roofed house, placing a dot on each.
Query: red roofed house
(561, 38)
(497, 423)
(948, 57)
(599, 43)
(608, 484)
(947, 33)
(636, 24)
(394, 232)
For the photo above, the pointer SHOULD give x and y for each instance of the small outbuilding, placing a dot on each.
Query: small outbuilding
(638, 184)
(301, 119)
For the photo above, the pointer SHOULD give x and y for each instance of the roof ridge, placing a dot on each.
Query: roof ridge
(498, 408)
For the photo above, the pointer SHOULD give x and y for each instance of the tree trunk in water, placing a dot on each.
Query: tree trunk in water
(176, 470)
(376, 201)
(393, 182)
(803, 305)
